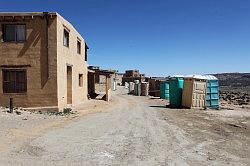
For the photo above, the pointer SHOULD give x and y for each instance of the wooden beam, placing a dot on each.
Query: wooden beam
(14, 66)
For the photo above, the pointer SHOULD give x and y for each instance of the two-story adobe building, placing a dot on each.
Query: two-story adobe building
(43, 61)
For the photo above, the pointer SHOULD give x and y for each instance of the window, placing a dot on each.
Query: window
(66, 38)
(86, 51)
(80, 80)
(14, 81)
(78, 47)
(14, 33)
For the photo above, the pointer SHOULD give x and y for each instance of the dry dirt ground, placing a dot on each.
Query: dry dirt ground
(130, 130)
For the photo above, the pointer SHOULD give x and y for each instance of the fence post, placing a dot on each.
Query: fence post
(11, 105)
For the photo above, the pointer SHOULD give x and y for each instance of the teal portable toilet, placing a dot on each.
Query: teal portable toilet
(212, 94)
(175, 91)
(164, 90)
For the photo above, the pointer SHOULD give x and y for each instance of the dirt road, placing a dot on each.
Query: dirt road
(139, 131)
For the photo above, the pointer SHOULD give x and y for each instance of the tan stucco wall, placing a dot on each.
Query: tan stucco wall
(43, 92)
(69, 56)
(40, 90)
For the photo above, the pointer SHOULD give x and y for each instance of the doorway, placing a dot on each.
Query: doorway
(69, 85)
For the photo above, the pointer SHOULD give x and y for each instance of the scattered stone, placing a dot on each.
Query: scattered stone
(18, 112)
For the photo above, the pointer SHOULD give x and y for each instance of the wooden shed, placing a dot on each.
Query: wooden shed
(194, 91)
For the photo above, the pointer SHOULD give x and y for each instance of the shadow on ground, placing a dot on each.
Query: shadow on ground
(158, 106)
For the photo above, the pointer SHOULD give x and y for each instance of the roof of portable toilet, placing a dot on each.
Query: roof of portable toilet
(177, 76)
(195, 76)
(211, 77)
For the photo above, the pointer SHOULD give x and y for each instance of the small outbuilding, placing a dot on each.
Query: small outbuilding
(194, 91)
(164, 90)
(175, 90)
(144, 88)
(101, 79)
(154, 85)
(212, 94)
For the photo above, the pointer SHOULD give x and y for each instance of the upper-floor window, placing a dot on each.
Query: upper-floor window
(14, 33)
(86, 51)
(80, 80)
(66, 38)
(78, 47)
(14, 81)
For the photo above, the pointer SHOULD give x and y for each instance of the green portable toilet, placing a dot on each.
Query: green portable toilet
(175, 91)
(212, 94)
(164, 90)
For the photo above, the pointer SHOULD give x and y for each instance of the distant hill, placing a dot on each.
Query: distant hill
(234, 79)
(234, 87)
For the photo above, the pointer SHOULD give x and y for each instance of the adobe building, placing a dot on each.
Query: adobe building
(132, 75)
(43, 61)
(100, 83)
(154, 85)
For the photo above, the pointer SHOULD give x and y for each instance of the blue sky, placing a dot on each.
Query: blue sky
(158, 37)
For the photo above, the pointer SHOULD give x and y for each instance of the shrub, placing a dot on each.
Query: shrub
(67, 111)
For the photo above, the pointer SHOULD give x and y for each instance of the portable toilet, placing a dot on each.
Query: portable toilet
(126, 85)
(144, 88)
(131, 87)
(114, 85)
(194, 91)
(137, 88)
(164, 90)
(175, 91)
(212, 93)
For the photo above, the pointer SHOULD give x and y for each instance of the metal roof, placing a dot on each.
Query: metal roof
(204, 77)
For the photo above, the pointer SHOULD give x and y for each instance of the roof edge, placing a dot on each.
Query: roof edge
(26, 13)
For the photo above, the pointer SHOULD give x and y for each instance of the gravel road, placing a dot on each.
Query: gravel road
(137, 131)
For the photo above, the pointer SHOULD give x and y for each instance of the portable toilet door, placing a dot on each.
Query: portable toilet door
(164, 90)
(212, 94)
(175, 91)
